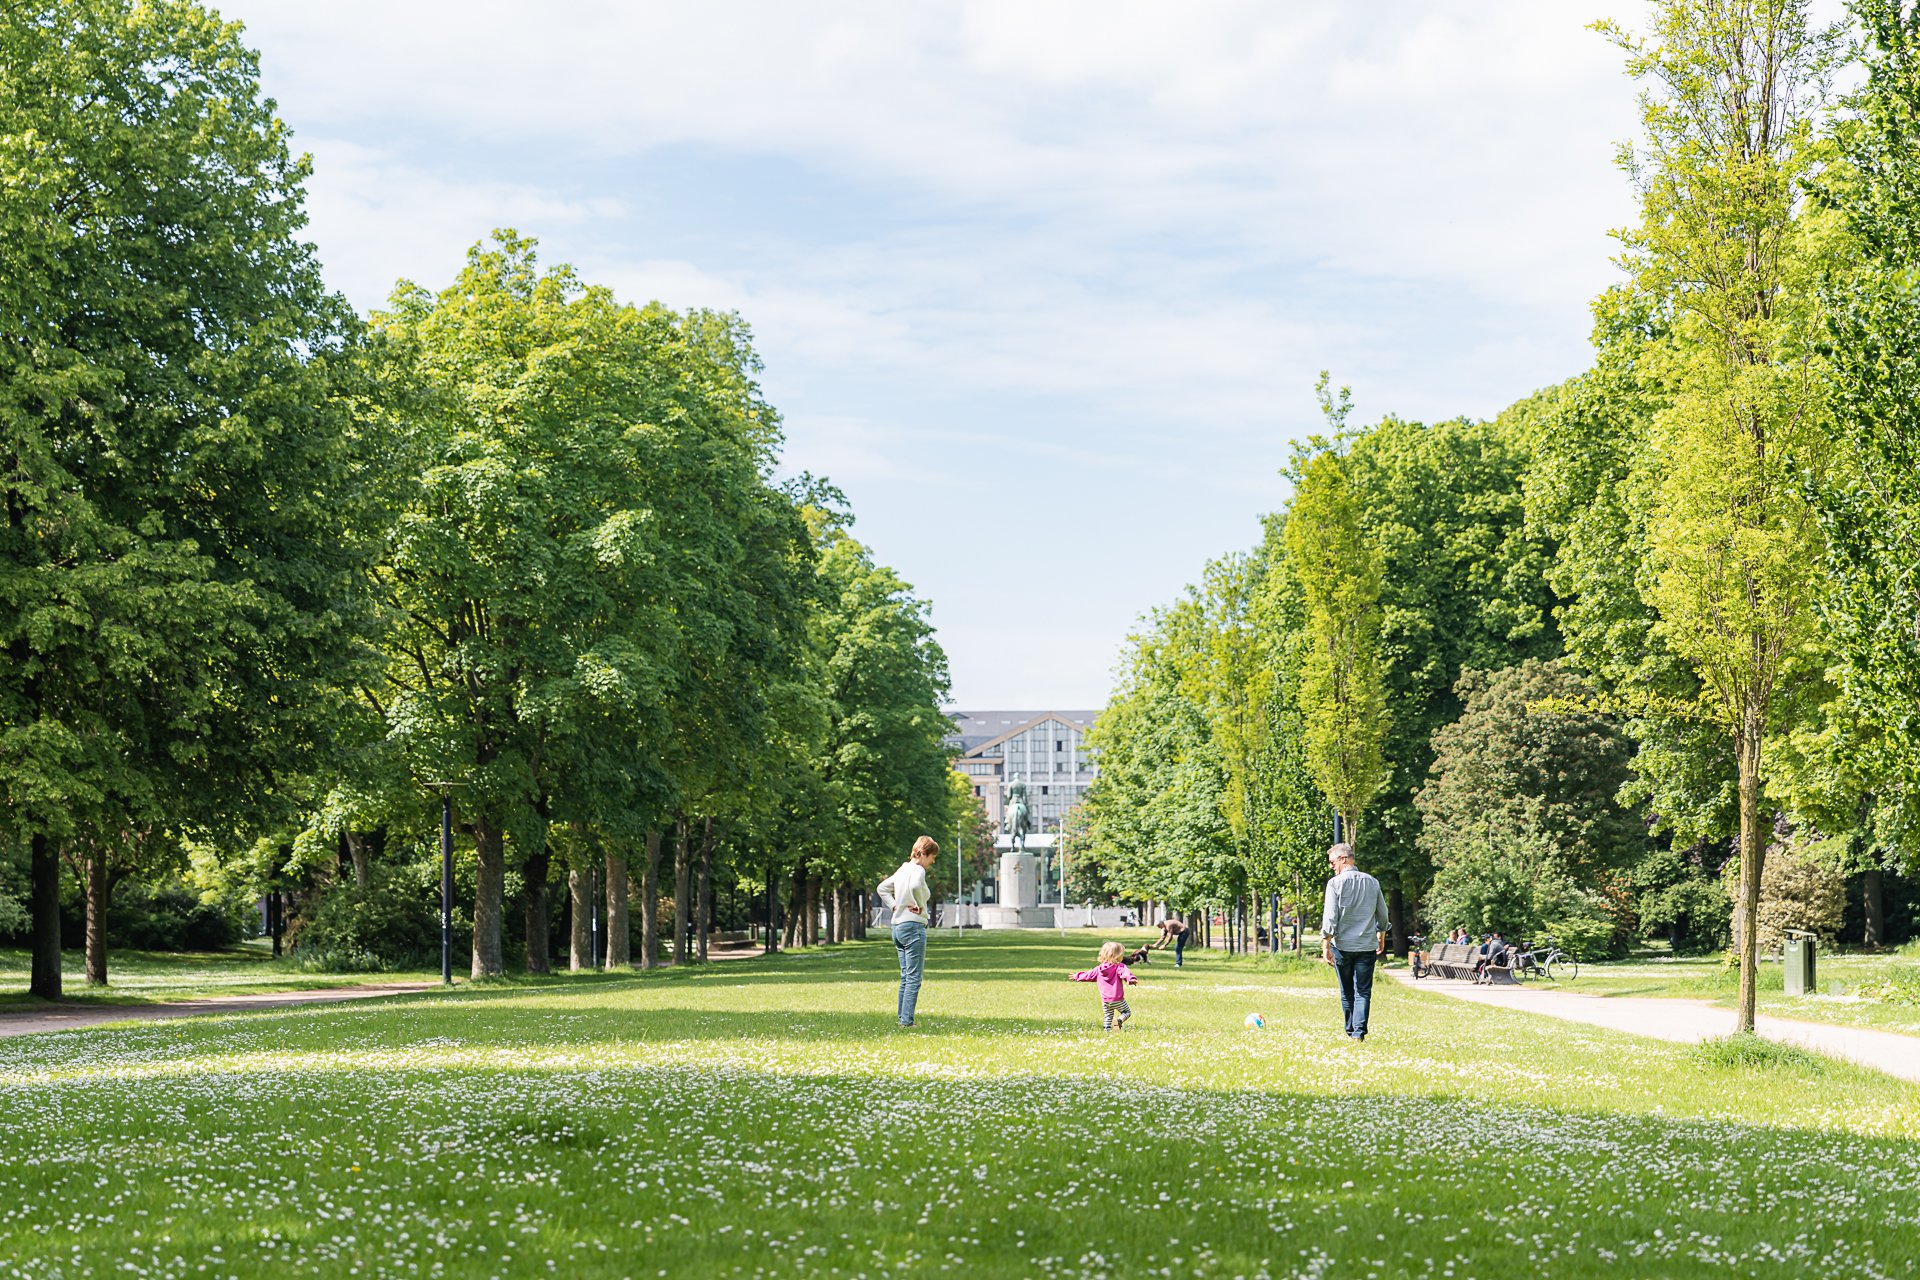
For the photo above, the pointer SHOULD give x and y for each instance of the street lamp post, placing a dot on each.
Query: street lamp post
(446, 888)
(959, 872)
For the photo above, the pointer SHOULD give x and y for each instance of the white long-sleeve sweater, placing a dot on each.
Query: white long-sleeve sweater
(907, 887)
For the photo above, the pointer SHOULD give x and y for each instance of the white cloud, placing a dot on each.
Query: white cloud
(1104, 244)
(378, 218)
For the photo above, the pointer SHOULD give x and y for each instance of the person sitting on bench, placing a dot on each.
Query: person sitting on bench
(1498, 956)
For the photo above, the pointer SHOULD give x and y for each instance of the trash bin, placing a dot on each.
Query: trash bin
(1798, 957)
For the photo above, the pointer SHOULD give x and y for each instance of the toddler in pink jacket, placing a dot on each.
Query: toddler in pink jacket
(1114, 978)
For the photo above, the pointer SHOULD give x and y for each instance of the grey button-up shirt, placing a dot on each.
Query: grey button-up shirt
(1356, 911)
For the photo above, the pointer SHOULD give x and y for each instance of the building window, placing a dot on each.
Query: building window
(1059, 744)
(978, 791)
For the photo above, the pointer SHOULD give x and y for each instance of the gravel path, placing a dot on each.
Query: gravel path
(1687, 1021)
(68, 1017)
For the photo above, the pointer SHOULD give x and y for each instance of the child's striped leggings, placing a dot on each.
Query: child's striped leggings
(1110, 1007)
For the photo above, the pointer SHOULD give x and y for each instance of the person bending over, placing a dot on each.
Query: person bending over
(1175, 931)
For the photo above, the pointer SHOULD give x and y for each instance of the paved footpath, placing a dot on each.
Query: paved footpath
(69, 1017)
(1688, 1021)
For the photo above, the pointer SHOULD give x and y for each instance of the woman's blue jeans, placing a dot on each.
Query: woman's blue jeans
(910, 940)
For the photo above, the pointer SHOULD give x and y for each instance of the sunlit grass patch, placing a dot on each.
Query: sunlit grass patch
(765, 1117)
(1746, 1051)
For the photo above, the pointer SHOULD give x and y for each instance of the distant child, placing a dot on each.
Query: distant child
(1114, 978)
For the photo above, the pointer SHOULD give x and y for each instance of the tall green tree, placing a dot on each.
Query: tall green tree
(1729, 124)
(1156, 815)
(1526, 787)
(1869, 504)
(174, 599)
(886, 764)
(1342, 695)
(562, 458)
(1461, 587)
(1290, 820)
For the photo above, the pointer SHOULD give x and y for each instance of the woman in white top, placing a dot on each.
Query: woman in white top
(907, 893)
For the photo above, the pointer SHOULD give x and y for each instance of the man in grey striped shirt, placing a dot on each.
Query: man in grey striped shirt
(1353, 934)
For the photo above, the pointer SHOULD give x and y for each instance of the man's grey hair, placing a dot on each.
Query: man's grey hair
(1341, 850)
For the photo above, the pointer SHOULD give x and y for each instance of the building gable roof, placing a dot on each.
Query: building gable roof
(1011, 724)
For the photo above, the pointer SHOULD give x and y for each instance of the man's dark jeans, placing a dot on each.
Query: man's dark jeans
(1356, 987)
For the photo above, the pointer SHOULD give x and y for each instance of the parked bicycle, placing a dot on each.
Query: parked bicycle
(1417, 955)
(1544, 960)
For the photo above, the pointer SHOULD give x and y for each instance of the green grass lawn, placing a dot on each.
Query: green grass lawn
(765, 1117)
(1709, 978)
(144, 977)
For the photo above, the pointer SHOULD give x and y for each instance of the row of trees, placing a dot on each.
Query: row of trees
(1552, 671)
(274, 578)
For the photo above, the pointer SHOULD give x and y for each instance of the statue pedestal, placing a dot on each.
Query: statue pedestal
(992, 917)
(1019, 906)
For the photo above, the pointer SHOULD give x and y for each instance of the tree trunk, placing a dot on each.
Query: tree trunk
(830, 903)
(650, 903)
(772, 908)
(1753, 853)
(1397, 918)
(357, 854)
(790, 905)
(866, 914)
(811, 925)
(703, 887)
(682, 891)
(580, 935)
(619, 941)
(96, 915)
(538, 912)
(489, 885)
(276, 919)
(1873, 929)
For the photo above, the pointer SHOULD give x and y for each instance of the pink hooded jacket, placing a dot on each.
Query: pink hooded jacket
(1113, 979)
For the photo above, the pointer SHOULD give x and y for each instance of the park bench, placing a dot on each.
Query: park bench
(1457, 960)
(1452, 960)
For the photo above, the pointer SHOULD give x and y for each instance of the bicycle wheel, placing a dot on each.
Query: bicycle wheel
(1563, 967)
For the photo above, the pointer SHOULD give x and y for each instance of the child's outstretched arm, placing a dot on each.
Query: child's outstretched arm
(1127, 974)
(1085, 975)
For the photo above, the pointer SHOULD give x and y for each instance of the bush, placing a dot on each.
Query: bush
(1798, 890)
(167, 917)
(1526, 898)
(1694, 912)
(14, 920)
(393, 923)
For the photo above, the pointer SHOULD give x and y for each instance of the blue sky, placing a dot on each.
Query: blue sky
(1043, 286)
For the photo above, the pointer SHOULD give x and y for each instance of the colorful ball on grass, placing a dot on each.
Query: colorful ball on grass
(1255, 1022)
